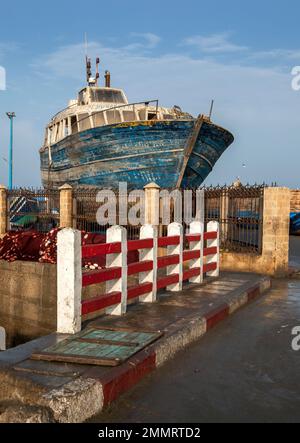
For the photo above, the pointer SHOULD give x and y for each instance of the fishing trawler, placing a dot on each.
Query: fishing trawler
(101, 139)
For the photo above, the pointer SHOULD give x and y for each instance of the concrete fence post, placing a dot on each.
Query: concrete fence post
(66, 206)
(149, 231)
(176, 229)
(197, 228)
(3, 210)
(275, 230)
(118, 234)
(69, 281)
(213, 226)
(2, 339)
(152, 204)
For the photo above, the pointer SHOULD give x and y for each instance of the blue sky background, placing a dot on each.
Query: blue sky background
(185, 53)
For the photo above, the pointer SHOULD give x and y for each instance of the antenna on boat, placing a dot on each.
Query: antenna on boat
(211, 108)
(107, 79)
(97, 70)
(87, 60)
(91, 81)
(88, 69)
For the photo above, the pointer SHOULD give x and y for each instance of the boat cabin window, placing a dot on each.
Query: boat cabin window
(113, 117)
(74, 125)
(107, 95)
(98, 119)
(168, 117)
(48, 135)
(66, 128)
(58, 131)
(129, 116)
(142, 114)
(84, 122)
(53, 132)
(147, 115)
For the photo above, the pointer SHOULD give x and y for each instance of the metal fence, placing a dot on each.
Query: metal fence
(33, 209)
(86, 207)
(239, 211)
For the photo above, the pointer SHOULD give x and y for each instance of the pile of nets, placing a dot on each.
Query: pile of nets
(41, 247)
(29, 246)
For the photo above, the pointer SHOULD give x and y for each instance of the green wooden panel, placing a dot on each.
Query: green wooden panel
(99, 346)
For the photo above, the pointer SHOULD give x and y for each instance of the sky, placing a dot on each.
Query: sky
(240, 54)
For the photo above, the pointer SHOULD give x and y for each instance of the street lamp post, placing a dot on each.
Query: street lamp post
(11, 116)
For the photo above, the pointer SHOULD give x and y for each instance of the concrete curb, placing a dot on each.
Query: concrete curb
(93, 393)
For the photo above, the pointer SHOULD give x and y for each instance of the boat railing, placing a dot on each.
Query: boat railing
(63, 110)
(114, 108)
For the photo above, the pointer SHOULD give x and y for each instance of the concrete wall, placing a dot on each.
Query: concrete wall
(295, 200)
(27, 300)
(274, 259)
(241, 262)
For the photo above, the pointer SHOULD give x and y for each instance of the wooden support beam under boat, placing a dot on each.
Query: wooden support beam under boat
(191, 141)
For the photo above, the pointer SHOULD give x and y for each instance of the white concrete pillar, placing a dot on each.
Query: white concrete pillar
(215, 242)
(197, 227)
(152, 204)
(176, 229)
(69, 281)
(117, 234)
(2, 339)
(149, 231)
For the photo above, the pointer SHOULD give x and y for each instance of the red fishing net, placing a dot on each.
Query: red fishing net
(36, 246)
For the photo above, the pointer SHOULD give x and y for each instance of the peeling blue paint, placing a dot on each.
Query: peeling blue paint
(137, 153)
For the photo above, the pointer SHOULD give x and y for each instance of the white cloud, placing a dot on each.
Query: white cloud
(277, 54)
(214, 43)
(149, 40)
(220, 45)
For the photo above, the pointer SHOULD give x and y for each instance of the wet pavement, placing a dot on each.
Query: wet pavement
(243, 370)
(73, 393)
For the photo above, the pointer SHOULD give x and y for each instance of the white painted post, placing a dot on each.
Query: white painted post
(117, 234)
(214, 226)
(149, 231)
(2, 339)
(69, 281)
(176, 229)
(197, 227)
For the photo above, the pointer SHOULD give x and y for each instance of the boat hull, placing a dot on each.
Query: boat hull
(134, 152)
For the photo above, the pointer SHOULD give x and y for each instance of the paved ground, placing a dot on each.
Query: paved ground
(71, 392)
(243, 370)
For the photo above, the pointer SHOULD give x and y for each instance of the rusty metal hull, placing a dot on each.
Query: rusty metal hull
(135, 152)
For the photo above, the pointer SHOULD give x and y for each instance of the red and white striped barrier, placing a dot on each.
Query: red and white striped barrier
(191, 264)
